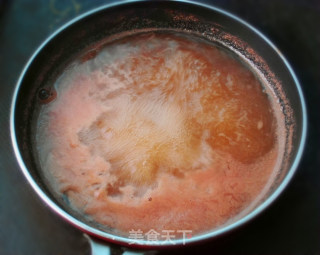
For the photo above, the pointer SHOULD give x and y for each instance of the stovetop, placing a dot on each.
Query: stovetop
(290, 226)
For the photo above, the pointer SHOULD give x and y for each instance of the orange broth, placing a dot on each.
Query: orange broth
(159, 131)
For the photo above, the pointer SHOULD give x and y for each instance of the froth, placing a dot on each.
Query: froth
(161, 117)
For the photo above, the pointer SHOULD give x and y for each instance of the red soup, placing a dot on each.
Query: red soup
(160, 131)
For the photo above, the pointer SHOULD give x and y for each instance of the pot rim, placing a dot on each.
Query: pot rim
(145, 243)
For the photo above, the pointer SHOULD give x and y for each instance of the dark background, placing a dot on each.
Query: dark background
(290, 226)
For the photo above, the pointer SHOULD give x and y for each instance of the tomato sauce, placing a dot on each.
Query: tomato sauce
(159, 131)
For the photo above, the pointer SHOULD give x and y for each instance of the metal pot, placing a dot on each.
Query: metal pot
(222, 28)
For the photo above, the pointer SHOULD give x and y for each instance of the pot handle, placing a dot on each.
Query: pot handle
(99, 247)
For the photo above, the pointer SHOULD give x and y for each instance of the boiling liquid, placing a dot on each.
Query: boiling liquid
(159, 131)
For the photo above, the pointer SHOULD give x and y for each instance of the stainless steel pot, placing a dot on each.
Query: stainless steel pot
(216, 25)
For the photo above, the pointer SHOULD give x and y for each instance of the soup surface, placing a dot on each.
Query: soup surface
(159, 131)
